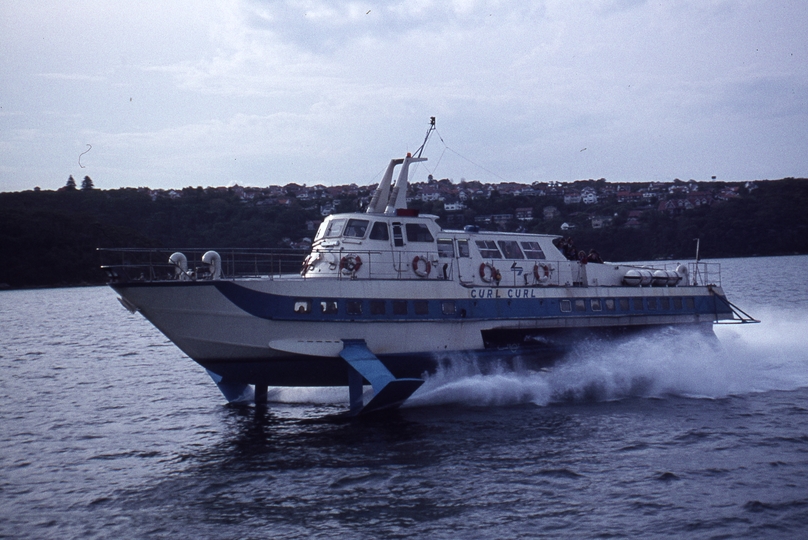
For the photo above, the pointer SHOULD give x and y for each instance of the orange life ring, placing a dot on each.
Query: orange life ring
(542, 272)
(493, 274)
(350, 263)
(416, 266)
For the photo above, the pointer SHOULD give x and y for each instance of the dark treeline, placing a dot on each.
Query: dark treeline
(49, 238)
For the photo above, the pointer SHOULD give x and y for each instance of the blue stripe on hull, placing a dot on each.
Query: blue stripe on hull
(523, 305)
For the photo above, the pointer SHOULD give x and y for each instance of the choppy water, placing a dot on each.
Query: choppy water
(108, 430)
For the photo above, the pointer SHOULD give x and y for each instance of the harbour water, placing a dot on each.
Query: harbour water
(109, 431)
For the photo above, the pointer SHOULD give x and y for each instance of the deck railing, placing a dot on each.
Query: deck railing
(146, 264)
(149, 264)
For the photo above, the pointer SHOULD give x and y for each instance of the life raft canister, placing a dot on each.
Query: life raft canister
(416, 266)
(542, 272)
(492, 274)
(350, 264)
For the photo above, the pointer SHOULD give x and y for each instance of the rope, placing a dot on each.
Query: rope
(446, 147)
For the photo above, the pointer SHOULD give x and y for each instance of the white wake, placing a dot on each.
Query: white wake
(748, 358)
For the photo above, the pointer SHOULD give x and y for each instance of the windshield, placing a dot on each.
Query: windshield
(356, 228)
(334, 228)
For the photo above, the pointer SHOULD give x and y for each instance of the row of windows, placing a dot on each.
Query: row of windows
(374, 307)
(449, 307)
(490, 249)
(627, 304)
(357, 228)
(418, 232)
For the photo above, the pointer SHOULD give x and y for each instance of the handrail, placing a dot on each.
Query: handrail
(152, 264)
(739, 316)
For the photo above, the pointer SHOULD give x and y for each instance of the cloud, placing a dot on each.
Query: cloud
(291, 91)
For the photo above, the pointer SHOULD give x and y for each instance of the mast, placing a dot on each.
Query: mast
(386, 201)
(382, 193)
(398, 197)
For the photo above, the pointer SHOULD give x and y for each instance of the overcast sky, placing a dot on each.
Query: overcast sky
(210, 93)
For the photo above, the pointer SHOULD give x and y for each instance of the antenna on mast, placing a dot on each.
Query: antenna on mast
(428, 132)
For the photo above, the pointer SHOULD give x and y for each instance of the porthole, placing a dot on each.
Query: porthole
(328, 307)
(353, 307)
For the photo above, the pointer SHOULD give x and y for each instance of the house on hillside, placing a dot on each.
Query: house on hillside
(700, 198)
(524, 214)
(634, 218)
(502, 219)
(572, 197)
(629, 196)
(598, 222)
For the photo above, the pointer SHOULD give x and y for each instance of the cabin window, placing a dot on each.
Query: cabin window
(418, 232)
(666, 303)
(488, 249)
(595, 304)
(379, 231)
(609, 304)
(399, 307)
(623, 304)
(353, 307)
(398, 237)
(421, 307)
(329, 307)
(445, 247)
(356, 228)
(448, 307)
(511, 249)
(302, 306)
(638, 304)
(377, 307)
(565, 305)
(334, 228)
(532, 250)
(580, 305)
(677, 303)
(652, 303)
(690, 303)
(463, 248)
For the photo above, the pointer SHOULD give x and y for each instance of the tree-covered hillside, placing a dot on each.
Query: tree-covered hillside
(49, 238)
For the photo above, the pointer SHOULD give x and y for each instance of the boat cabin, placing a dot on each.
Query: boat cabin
(391, 241)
